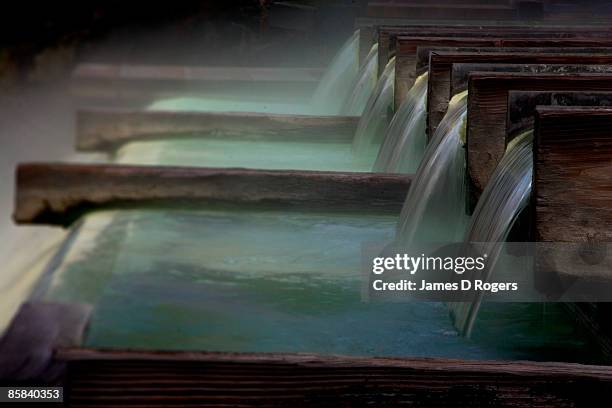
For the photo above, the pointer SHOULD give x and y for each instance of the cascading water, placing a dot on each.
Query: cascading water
(405, 140)
(364, 85)
(336, 84)
(506, 195)
(434, 209)
(376, 115)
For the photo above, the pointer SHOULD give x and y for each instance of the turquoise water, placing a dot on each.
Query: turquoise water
(221, 104)
(271, 281)
(249, 154)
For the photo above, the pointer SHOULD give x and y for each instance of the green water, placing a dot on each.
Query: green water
(221, 104)
(249, 154)
(271, 281)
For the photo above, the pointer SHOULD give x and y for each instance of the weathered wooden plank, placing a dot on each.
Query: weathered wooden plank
(406, 58)
(522, 106)
(441, 62)
(487, 112)
(195, 73)
(36, 331)
(106, 129)
(390, 29)
(406, 48)
(572, 203)
(60, 193)
(572, 174)
(130, 378)
(442, 11)
(147, 82)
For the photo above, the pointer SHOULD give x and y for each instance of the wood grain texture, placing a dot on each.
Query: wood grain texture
(406, 58)
(36, 331)
(573, 174)
(488, 111)
(130, 378)
(60, 193)
(518, 37)
(391, 28)
(572, 193)
(441, 11)
(107, 129)
(441, 63)
(522, 106)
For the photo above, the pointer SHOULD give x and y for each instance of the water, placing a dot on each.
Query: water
(277, 154)
(405, 139)
(364, 85)
(253, 281)
(336, 84)
(225, 103)
(250, 154)
(333, 89)
(434, 210)
(505, 196)
(377, 113)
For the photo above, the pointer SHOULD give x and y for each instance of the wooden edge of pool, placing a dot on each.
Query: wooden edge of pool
(107, 129)
(58, 194)
(44, 346)
(133, 377)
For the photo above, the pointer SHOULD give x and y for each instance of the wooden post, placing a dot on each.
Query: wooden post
(107, 129)
(572, 181)
(488, 111)
(60, 193)
(441, 63)
(572, 204)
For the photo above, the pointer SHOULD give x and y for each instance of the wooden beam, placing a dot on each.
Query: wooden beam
(36, 331)
(442, 11)
(441, 64)
(306, 380)
(390, 29)
(106, 129)
(406, 48)
(148, 82)
(195, 73)
(60, 193)
(522, 106)
(572, 174)
(488, 111)
(406, 58)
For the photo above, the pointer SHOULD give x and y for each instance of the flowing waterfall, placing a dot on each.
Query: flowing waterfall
(364, 85)
(405, 140)
(377, 114)
(434, 210)
(505, 196)
(336, 83)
